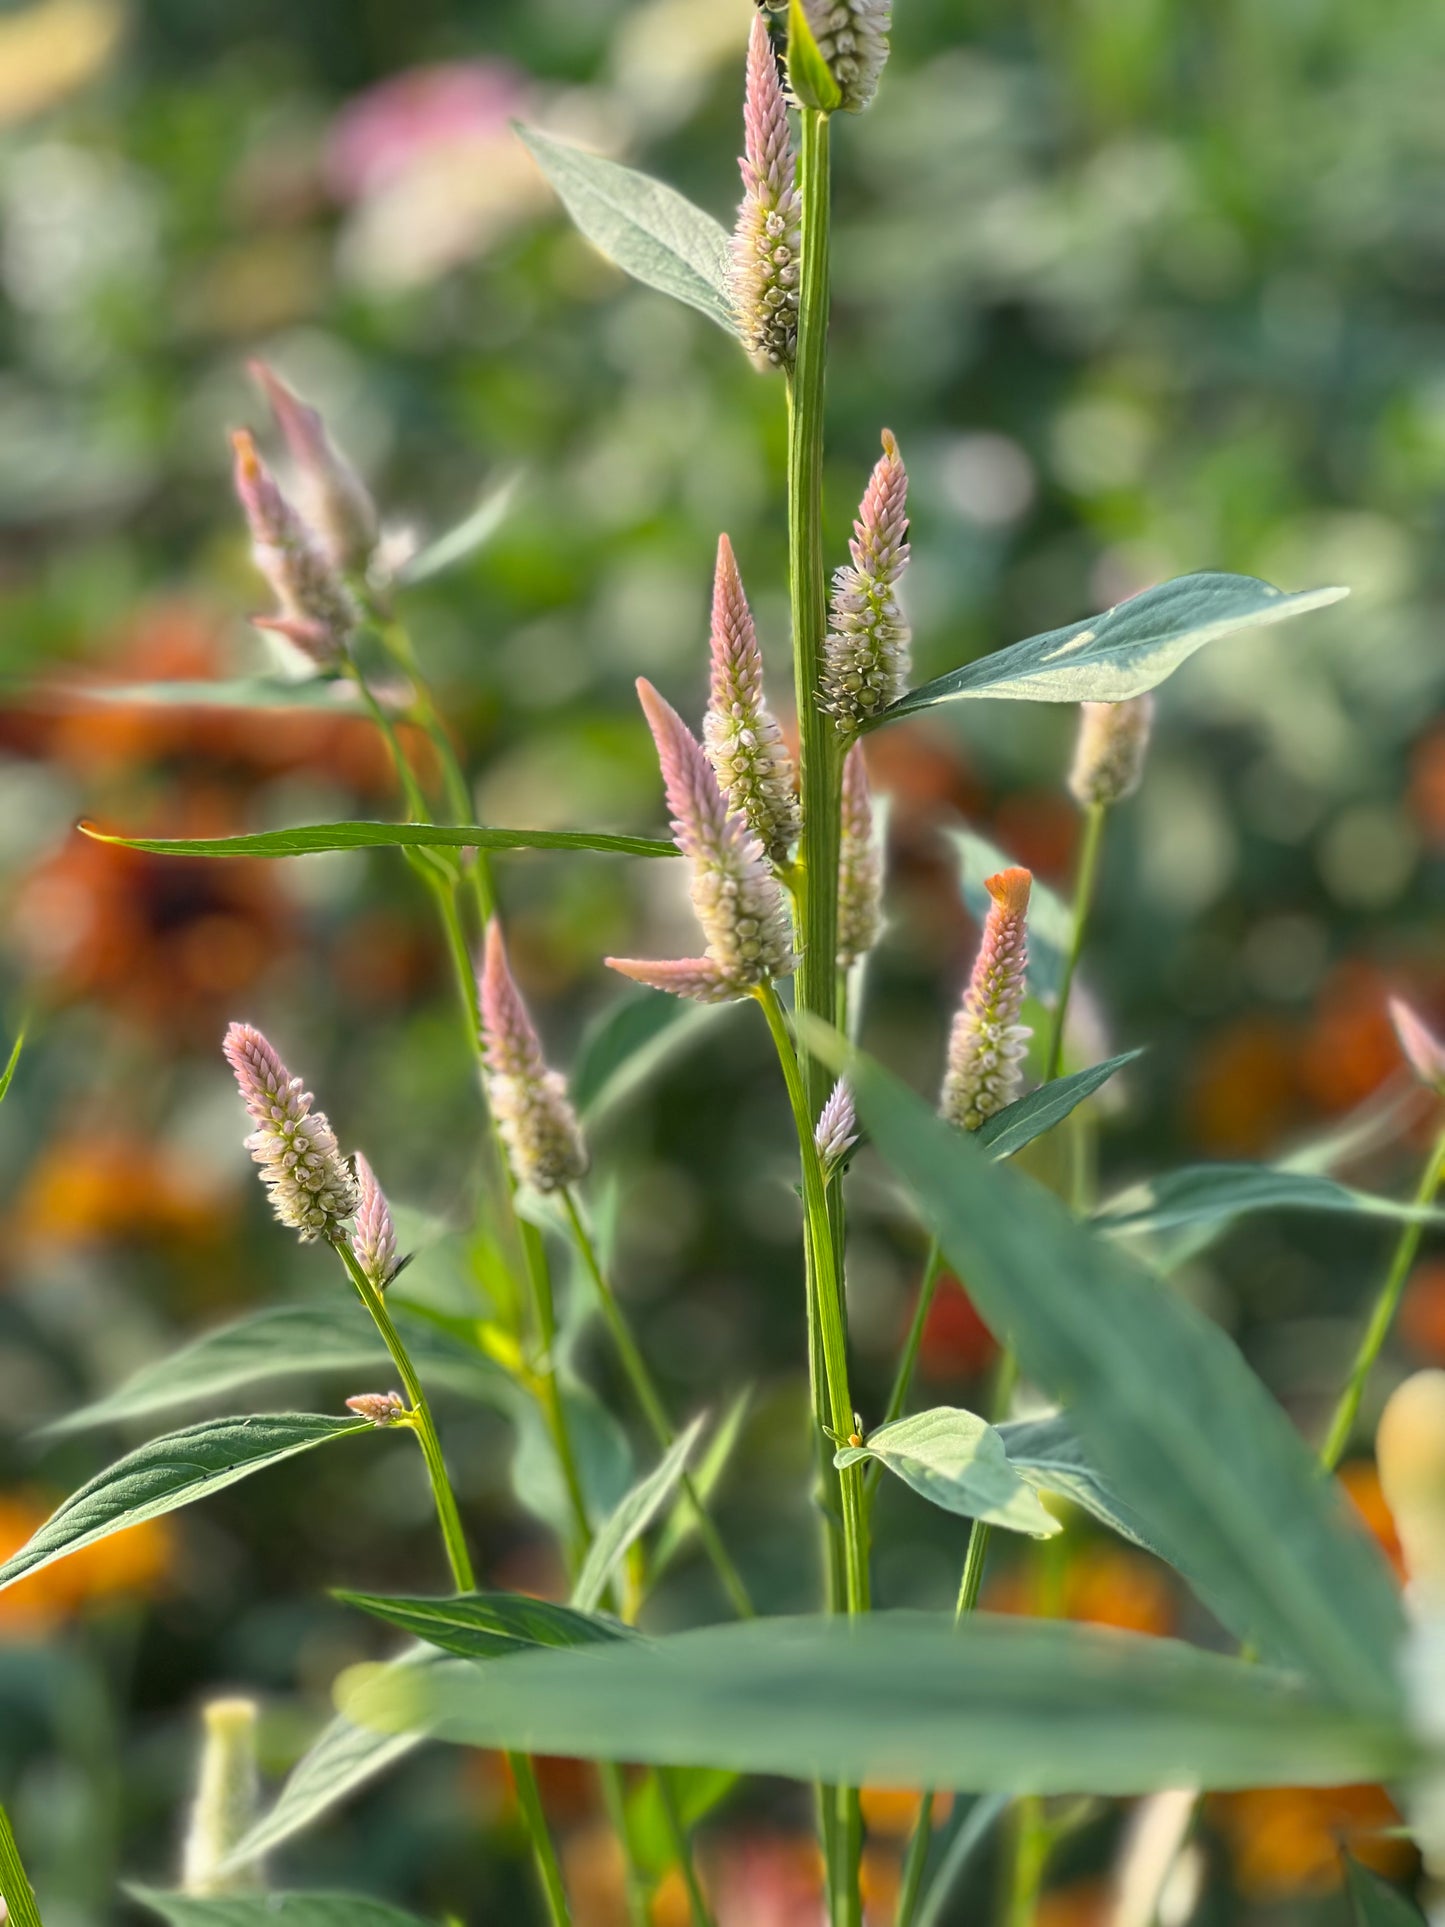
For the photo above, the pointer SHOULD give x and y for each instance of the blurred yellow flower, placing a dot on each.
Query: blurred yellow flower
(51, 51)
(130, 1565)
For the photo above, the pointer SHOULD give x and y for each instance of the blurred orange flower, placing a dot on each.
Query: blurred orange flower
(130, 1565)
(956, 1342)
(1288, 1840)
(1362, 1482)
(1083, 1903)
(96, 1186)
(1244, 1093)
(1101, 1585)
(1422, 1316)
(1350, 1048)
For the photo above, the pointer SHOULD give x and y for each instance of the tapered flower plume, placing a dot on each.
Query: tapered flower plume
(317, 612)
(987, 1044)
(1109, 753)
(530, 1103)
(739, 902)
(742, 738)
(381, 1408)
(836, 1131)
(860, 866)
(865, 657)
(768, 237)
(852, 36)
(1423, 1050)
(226, 1804)
(310, 1184)
(335, 502)
(373, 1236)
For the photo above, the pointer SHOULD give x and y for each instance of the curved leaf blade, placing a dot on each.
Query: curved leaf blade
(631, 1519)
(469, 536)
(1376, 1902)
(631, 1041)
(956, 1460)
(15, 1888)
(1211, 1193)
(7, 1076)
(809, 75)
(315, 839)
(1047, 1452)
(273, 1910)
(1018, 1124)
(1122, 653)
(488, 1625)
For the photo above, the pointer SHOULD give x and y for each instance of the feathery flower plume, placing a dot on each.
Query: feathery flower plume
(860, 866)
(836, 1131)
(335, 501)
(741, 735)
(530, 1103)
(865, 655)
(382, 1408)
(317, 612)
(1109, 754)
(767, 240)
(1423, 1050)
(310, 1184)
(987, 1044)
(373, 1236)
(852, 36)
(739, 902)
(226, 1803)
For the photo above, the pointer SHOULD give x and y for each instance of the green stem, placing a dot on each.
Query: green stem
(677, 1834)
(654, 1411)
(15, 1888)
(1383, 1316)
(614, 1798)
(1088, 877)
(529, 1799)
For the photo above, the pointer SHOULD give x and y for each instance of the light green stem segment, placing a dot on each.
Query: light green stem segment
(1084, 888)
(1383, 1316)
(645, 1391)
(15, 1888)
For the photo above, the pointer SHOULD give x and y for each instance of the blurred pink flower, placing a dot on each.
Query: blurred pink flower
(379, 135)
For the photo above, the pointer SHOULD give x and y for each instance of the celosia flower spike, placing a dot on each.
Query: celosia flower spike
(530, 1103)
(852, 36)
(836, 1131)
(768, 237)
(228, 1796)
(373, 1237)
(311, 1186)
(317, 611)
(334, 499)
(741, 735)
(865, 655)
(381, 1408)
(1109, 753)
(860, 866)
(987, 1044)
(1423, 1050)
(739, 902)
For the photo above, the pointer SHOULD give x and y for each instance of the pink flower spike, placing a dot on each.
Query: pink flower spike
(767, 240)
(987, 1044)
(373, 1237)
(865, 654)
(742, 738)
(530, 1103)
(860, 866)
(1423, 1050)
(382, 1408)
(1109, 752)
(696, 977)
(310, 1184)
(317, 610)
(837, 1128)
(337, 503)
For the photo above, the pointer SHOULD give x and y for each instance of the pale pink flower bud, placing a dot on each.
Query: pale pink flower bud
(698, 978)
(373, 1236)
(852, 36)
(860, 866)
(988, 1044)
(767, 240)
(334, 500)
(317, 612)
(739, 902)
(741, 735)
(1109, 754)
(311, 1186)
(865, 655)
(382, 1408)
(1423, 1050)
(836, 1131)
(529, 1102)
(227, 1800)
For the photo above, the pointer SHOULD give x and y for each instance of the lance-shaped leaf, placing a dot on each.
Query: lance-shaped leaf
(956, 1460)
(1118, 655)
(1047, 1452)
(631, 1519)
(970, 1831)
(1376, 1902)
(647, 229)
(314, 839)
(809, 75)
(488, 1625)
(15, 1888)
(273, 1910)
(682, 1523)
(904, 1699)
(458, 545)
(1050, 922)
(1018, 1124)
(629, 1043)
(11, 1063)
(169, 1473)
(1162, 1400)
(1208, 1193)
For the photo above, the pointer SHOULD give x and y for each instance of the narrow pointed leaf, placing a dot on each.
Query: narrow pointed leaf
(682, 1524)
(458, 545)
(312, 839)
(809, 75)
(1010, 1129)
(629, 1043)
(488, 1625)
(697, 1791)
(1120, 654)
(1047, 1452)
(1376, 1902)
(1050, 922)
(982, 1817)
(1209, 1193)
(631, 1519)
(11, 1063)
(15, 1888)
(996, 1705)
(956, 1460)
(643, 227)
(169, 1473)
(273, 1910)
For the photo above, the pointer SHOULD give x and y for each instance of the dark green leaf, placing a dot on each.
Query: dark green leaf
(1051, 922)
(643, 227)
(630, 1520)
(956, 1460)
(15, 1888)
(312, 839)
(973, 1829)
(1376, 1902)
(462, 542)
(631, 1041)
(1010, 1129)
(1208, 1193)
(172, 1472)
(273, 1910)
(1128, 649)
(1047, 1452)
(809, 75)
(488, 1625)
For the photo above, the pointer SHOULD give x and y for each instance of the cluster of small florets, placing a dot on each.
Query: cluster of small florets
(335, 502)
(373, 1237)
(318, 612)
(860, 866)
(987, 1044)
(852, 36)
(836, 1131)
(768, 237)
(311, 1186)
(1110, 750)
(743, 741)
(865, 656)
(533, 1112)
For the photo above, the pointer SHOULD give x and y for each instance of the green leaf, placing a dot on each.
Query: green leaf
(1010, 1129)
(682, 1523)
(273, 1910)
(956, 1460)
(995, 1705)
(1376, 1902)
(1162, 1401)
(631, 1519)
(629, 1043)
(809, 75)
(1208, 1193)
(1051, 922)
(647, 229)
(8, 1074)
(312, 839)
(286, 1341)
(1047, 1452)
(461, 543)
(698, 1791)
(15, 1888)
(973, 1829)
(604, 1459)
(169, 1473)
(488, 1625)
(1130, 648)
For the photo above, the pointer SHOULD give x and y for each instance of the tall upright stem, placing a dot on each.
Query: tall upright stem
(1084, 888)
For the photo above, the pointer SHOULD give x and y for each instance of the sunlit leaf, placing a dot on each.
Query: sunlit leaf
(273, 1910)
(8, 1074)
(956, 1460)
(488, 1625)
(1047, 1452)
(682, 1524)
(697, 1791)
(312, 839)
(1018, 1124)
(632, 1040)
(1050, 922)
(1205, 1193)
(630, 1519)
(459, 544)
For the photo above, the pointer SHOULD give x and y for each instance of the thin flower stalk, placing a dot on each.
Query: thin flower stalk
(860, 866)
(740, 733)
(852, 36)
(766, 239)
(865, 662)
(318, 613)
